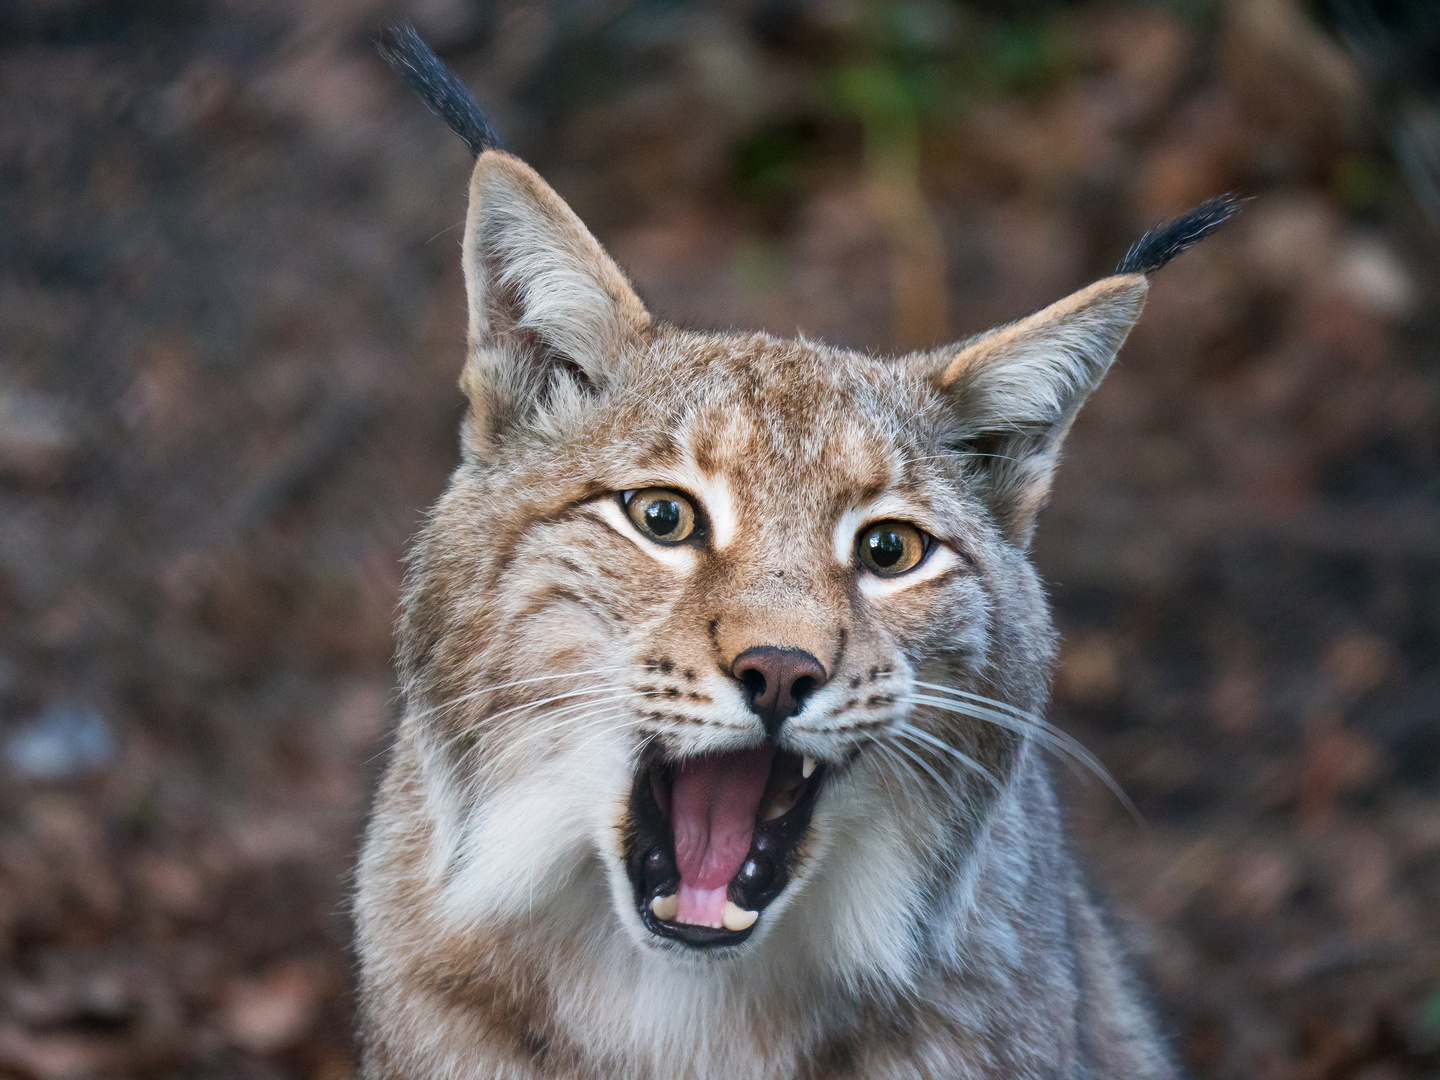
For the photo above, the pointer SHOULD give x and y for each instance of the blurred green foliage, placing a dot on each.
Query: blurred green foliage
(1430, 1013)
(769, 165)
(906, 62)
(897, 70)
(1360, 182)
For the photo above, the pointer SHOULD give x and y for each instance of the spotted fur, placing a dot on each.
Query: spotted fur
(934, 924)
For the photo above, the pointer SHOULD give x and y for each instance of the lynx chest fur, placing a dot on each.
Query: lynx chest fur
(724, 667)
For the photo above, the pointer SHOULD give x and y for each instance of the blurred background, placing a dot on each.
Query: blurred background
(231, 317)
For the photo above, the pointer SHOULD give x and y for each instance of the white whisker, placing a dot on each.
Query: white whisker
(1003, 706)
(576, 710)
(591, 692)
(890, 760)
(922, 763)
(472, 694)
(1023, 723)
(959, 755)
(985, 710)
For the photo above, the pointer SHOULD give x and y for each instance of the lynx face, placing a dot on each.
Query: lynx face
(731, 619)
(746, 558)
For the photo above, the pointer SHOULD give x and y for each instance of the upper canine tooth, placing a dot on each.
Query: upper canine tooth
(666, 908)
(737, 918)
(807, 766)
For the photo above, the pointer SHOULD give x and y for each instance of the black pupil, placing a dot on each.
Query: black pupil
(663, 516)
(887, 547)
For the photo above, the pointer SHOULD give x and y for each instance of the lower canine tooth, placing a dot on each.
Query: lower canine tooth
(807, 767)
(783, 804)
(665, 908)
(737, 918)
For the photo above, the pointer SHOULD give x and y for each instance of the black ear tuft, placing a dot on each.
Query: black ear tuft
(448, 98)
(1168, 239)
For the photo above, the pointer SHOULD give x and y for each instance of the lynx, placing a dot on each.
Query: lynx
(724, 668)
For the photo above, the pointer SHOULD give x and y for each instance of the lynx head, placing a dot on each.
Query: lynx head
(723, 643)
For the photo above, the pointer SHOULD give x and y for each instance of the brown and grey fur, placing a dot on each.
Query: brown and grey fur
(937, 926)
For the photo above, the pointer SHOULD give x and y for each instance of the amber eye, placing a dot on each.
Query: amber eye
(661, 514)
(890, 548)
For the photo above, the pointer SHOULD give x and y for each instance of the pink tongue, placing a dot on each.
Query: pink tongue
(713, 805)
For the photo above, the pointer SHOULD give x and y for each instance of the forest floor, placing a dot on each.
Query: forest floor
(231, 318)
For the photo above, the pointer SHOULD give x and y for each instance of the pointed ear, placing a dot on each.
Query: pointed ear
(552, 319)
(1014, 392)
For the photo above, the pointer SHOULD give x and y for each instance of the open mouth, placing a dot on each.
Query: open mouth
(714, 839)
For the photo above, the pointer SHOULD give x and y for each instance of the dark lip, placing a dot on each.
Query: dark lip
(774, 848)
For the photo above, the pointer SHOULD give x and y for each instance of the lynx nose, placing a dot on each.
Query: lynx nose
(777, 682)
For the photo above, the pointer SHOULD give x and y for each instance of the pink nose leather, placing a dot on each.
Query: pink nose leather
(777, 681)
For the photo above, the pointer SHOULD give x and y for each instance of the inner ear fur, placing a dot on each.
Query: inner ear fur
(1014, 392)
(551, 317)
